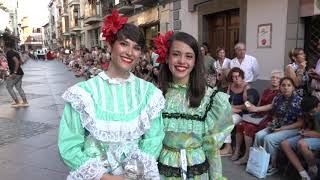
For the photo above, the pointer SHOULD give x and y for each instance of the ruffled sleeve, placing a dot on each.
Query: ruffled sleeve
(151, 142)
(70, 143)
(218, 125)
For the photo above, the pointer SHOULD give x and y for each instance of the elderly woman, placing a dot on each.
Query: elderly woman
(246, 130)
(287, 120)
(238, 95)
(296, 70)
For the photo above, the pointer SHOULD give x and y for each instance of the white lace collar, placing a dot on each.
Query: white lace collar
(104, 76)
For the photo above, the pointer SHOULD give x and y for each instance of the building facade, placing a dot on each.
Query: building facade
(9, 19)
(283, 24)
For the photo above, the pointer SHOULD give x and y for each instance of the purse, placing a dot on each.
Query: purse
(258, 162)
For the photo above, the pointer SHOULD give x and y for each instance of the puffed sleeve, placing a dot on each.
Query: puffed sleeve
(70, 143)
(218, 124)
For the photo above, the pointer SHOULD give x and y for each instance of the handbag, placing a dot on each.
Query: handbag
(258, 162)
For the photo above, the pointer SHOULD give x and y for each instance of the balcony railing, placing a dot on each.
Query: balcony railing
(124, 7)
(74, 2)
(146, 3)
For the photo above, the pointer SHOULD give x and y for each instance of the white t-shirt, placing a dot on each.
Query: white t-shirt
(225, 65)
(249, 66)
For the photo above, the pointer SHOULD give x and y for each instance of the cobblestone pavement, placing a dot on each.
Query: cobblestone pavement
(28, 136)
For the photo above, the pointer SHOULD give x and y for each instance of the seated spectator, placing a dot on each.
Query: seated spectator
(296, 70)
(147, 74)
(155, 76)
(222, 67)
(307, 141)
(238, 95)
(246, 131)
(104, 63)
(137, 71)
(207, 59)
(287, 120)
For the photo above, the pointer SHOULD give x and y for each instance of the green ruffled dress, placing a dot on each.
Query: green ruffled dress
(199, 131)
(111, 126)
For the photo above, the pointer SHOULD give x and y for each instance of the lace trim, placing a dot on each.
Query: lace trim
(143, 163)
(91, 170)
(112, 131)
(192, 171)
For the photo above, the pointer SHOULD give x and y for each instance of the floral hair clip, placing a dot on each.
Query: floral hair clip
(162, 46)
(112, 24)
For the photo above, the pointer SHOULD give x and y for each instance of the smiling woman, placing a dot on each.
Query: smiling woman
(112, 125)
(196, 118)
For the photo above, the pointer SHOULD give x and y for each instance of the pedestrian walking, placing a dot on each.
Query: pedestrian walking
(16, 75)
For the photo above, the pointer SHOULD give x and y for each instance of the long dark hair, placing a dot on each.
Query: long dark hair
(197, 84)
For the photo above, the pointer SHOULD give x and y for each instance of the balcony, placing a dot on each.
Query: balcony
(66, 33)
(92, 19)
(146, 3)
(74, 2)
(124, 7)
(75, 29)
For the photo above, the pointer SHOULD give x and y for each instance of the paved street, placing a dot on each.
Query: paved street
(28, 136)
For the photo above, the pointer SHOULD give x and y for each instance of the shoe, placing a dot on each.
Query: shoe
(15, 105)
(24, 104)
(271, 171)
(13, 102)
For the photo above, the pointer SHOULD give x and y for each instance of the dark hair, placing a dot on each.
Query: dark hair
(308, 103)
(220, 49)
(205, 49)
(294, 53)
(233, 70)
(132, 32)
(206, 46)
(287, 78)
(197, 84)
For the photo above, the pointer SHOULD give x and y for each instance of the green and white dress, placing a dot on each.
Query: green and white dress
(112, 126)
(194, 135)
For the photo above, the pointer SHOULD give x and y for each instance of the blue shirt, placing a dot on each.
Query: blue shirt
(287, 110)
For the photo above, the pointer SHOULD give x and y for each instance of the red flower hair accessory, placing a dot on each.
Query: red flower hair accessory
(112, 24)
(162, 46)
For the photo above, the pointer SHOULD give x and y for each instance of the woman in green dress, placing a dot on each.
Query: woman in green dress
(111, 127)
(197, 118)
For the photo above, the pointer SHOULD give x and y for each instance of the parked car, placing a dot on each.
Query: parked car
(41, 53)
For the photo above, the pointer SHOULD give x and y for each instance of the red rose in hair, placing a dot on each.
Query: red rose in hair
(112, 24)
(162, 46)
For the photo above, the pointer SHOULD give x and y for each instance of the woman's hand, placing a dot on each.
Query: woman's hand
(303, 65)
(252, 108)
(278, 129)
(111, 177)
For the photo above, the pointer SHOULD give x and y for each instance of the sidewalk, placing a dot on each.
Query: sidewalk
(28, 136)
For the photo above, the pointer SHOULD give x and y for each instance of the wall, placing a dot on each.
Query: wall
(189, 20)
(262, 12)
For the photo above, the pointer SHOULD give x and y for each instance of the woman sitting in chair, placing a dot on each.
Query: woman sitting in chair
(246, 130)
(238, 95)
